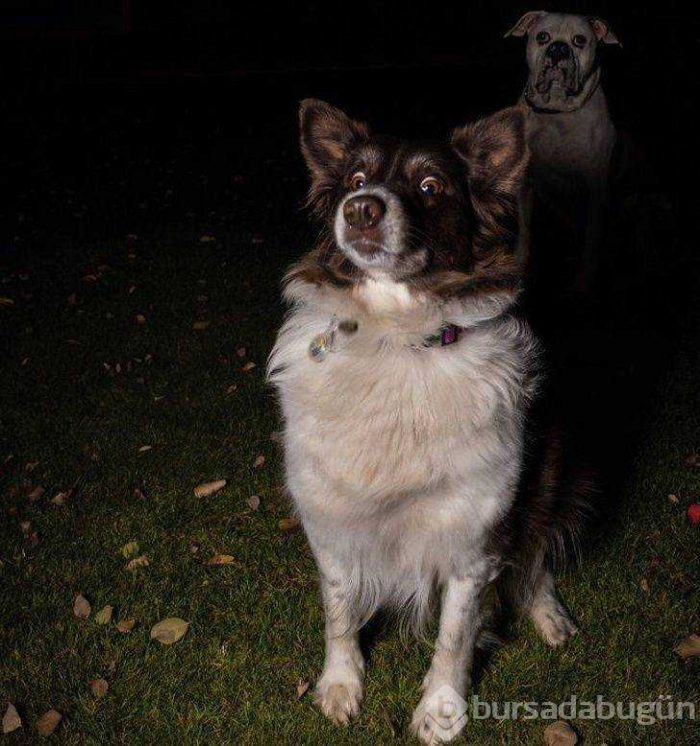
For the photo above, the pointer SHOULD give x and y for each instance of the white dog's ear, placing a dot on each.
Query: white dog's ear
(327, 136)
(603, 31)
(525, 23)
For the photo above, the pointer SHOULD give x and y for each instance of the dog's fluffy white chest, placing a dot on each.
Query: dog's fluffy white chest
(400, 456)
(385, 421)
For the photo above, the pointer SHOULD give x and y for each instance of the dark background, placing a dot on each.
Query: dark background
(170, 120)
(233, 72)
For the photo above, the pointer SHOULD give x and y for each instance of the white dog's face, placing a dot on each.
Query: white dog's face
(561, 54)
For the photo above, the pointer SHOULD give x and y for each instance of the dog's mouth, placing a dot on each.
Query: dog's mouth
(369, 229)
(556, 81)
(367, 248)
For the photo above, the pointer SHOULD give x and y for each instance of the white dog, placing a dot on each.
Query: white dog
(570, 133)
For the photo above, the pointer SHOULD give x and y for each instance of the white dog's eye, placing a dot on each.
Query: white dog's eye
(357, 181)
(431, 186)
(579, 40)
(543, 37)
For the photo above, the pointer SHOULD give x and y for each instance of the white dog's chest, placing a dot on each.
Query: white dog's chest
(577, 144)
(380, 421)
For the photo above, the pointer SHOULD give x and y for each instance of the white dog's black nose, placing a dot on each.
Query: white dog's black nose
(558, 50)
(364, 211)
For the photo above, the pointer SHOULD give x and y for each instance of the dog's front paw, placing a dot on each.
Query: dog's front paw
(338, 695)
(440, 715)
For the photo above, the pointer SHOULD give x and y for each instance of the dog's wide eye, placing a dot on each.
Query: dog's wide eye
(431, 186)
(357, 181)
(579, 40)
(543, 37)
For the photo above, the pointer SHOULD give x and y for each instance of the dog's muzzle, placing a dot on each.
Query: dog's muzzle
(558, 71)
(363, 216)
(558, 51)
(369, 228)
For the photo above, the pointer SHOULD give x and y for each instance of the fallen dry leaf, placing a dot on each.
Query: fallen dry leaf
(125, 625)
(99, 687)
(169, 630)
(11, 719)
(560, 733)
(209, 488)
(673, 498)
(253, 502)
(35, 494)
(644, 585)
(248, 367)
(289, 524)
(302, 688)
(688, 648)
(5, 301)
(143, 449)
(130, 549)
(206, 238)
(81, 607)
(231, 388)
(104, 615)
(200, 326)
(59, 498)
(137, 562)
(48, 723)
(259, 461)
(221, 559)
(140, 319)
(26, 526)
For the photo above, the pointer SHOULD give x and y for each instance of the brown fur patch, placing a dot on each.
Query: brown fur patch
(496, 154)
(324, 265)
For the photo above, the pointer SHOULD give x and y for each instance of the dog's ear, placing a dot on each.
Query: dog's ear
(327, 136)
(495, 154)
(494, 151)
(603, 31)
(525, 23)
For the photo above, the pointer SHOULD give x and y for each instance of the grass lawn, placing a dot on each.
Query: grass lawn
(87, 385)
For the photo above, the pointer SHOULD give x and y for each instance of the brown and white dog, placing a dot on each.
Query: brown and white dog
(406, 379)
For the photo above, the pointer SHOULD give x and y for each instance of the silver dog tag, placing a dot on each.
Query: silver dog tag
(322, 343)
(327, 341)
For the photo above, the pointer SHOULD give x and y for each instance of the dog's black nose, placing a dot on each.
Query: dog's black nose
(558, 50)
(364, 211)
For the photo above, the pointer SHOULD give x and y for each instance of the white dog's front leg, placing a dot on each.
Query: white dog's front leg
(339, 689)
(460, 622)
